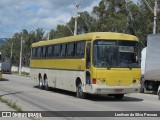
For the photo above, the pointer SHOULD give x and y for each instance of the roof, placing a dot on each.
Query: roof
(88, 36)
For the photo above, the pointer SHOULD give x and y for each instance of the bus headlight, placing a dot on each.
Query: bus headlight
(103, 81)
(136, 81)
(98, 81)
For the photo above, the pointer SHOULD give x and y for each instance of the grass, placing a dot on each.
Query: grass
(11, 104)
(22, 73)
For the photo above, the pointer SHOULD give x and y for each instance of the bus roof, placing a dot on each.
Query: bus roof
(87, 36)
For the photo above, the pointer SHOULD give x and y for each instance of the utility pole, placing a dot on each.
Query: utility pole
(11, 50)
(20, 59)
(155, 17)
(154, 12)
(76, 17)
(48, 35)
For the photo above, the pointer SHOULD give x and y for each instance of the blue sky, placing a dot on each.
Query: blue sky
(31, 14)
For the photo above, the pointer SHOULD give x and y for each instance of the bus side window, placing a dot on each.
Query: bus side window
(44, 52)
(38, 55)
(33, 52)
(70, 50)
(63, 50)
(49, 52)
(80, 49)
(56, 50)
(88, 55)
(41, 53)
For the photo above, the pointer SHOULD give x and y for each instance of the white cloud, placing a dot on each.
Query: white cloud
(30, 14)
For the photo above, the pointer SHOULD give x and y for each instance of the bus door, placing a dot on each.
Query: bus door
(88, 67)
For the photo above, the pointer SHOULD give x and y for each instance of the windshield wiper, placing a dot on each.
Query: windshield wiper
(129, 65)
(108, 66)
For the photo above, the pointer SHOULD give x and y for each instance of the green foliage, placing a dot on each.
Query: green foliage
(27, 39)
(11, 104)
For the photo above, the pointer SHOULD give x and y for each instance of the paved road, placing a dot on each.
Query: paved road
(26, 94)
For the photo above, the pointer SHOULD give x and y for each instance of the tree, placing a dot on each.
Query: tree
(110, 16)
(84, 26)
(28, 38)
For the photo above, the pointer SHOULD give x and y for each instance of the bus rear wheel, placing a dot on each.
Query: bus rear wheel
(118, 96)
(79, 91)
(41, 83)
(46, 87)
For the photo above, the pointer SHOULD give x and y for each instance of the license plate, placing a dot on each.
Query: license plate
(118, 90)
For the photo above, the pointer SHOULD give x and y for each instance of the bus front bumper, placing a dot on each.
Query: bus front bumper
(105, 89)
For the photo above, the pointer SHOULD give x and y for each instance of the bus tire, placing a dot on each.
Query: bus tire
(141, 89)
(79, 91)
(118, 96)
(158, 95)
(46, 87)
(41, 85)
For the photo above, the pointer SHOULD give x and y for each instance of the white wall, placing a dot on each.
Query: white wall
(24, 69)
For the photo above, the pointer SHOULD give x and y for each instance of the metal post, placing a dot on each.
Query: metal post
(11, 50)
(155, 17)
(48, 35)
(20, 59)
(75, 26)
(76, 17)
(154, 12)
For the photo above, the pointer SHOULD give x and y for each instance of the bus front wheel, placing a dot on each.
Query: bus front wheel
(79, 91)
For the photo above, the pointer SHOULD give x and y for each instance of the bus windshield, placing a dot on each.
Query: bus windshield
(115, 53)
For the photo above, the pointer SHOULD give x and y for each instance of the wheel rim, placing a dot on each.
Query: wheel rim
(46, 84)
(80, 90)
(40, 82)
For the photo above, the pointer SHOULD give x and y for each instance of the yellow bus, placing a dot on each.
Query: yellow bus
(94, 63)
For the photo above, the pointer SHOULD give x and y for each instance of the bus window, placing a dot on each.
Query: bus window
(80, 49)
(33, 52)
(70, 50)
(49, 52)
(57, 50)
(63, 51)
(44, 52)
(38, 53)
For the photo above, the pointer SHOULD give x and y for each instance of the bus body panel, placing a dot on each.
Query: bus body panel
(107, 89)
(118, 76)
(59, 78)
(64, 64)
